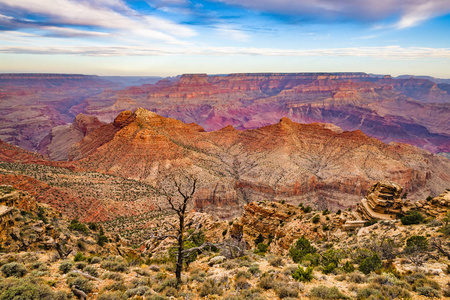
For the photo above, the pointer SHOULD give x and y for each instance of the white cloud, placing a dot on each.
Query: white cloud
(113, 15)
(388, 52)
(409, 12)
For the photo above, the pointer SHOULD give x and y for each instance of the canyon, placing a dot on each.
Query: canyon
(37, 110)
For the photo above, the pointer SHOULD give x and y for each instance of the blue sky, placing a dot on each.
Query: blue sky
(171, 37)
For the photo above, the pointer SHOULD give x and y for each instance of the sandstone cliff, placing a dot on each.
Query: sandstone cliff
(285, 161)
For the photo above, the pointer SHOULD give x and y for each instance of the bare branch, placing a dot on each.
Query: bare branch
(199, 248)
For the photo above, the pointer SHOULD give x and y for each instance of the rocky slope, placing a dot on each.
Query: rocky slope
(285, 161)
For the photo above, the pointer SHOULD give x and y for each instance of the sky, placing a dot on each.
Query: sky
(172, 37)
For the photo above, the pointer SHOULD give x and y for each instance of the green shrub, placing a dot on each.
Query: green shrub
(348, 267)
(370, 264)
(210, 287)
(14, 269)
(329, 268)
(365, 293)
(306, 209)
(315, 219)
(75, 225)
(413, 217)
(79, 257)
(262, 248)
(156, 297)
(323, 292)
(416, 243)
(370, 222)
(301, 248)
(303, 274)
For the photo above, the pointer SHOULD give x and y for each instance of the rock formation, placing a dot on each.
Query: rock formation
(383, 202)
(285, 161)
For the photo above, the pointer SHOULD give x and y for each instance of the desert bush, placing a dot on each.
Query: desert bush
(416, 243)
(370, 264)
(138, 291)
(284, 290)
(79, 257)
(66, 266)
(210, 287)
(168, 282)
(230, 265)
(156, 297)
(241, 284)
(114, 266)
(428, 291)
(83, 284)
(323, 292)
(301, 248)
(276, 261)
(252, 294)
(116, 286)
(198, 276)
(254, 269)
(80, 265)
(266, 282)
(366, 293)
(25, 289)
(243, 274)
(91, 270)
(113, 276)
(413, 217)
(95, 260)
(112, 296)
(14, 269)
(303, 274)
(313, 259)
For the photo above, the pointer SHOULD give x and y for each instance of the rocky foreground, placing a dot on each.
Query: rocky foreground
(288, 252)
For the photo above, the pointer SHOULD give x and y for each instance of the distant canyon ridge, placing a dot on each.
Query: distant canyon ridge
(36, 110)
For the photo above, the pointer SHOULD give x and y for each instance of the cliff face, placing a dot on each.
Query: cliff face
(410, 111)
(285, 161)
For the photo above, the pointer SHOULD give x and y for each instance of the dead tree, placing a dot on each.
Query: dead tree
(179, 202)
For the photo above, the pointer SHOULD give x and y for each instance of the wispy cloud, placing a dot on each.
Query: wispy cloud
(113, 16)
(408, 12)
(232, 33)
(388, 52)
